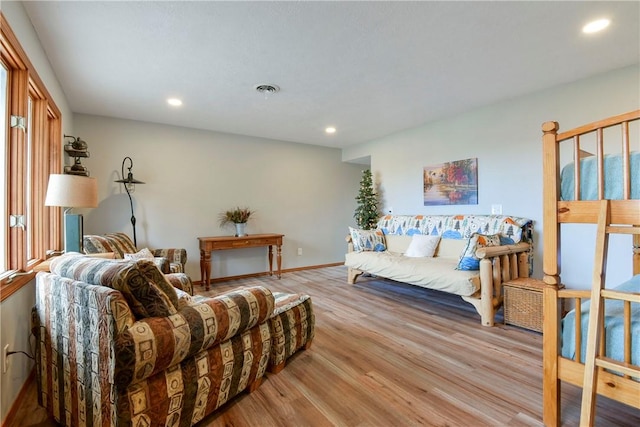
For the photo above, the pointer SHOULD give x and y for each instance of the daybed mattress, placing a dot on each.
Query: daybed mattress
(612, 177)
(614, 327)
(434, 273)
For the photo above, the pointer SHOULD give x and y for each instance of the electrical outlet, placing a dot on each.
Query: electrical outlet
(496, 209)
(299, 251)
(5, 359)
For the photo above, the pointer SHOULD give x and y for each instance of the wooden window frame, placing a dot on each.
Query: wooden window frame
(45, 227)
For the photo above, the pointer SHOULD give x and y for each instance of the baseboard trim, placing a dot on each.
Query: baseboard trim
(15, 406)
(266, 273)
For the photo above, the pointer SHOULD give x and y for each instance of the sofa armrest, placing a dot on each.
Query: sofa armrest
(75, 325)
(152, 345)
(174, 255)
(499, 264)
(349, 243)
(162, 263)
(493, 251)
(180, 281)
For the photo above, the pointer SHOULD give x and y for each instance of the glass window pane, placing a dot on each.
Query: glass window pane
(4, 99)
(29, 195)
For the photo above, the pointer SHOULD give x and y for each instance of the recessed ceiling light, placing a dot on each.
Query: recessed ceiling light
(595, 26)
(330, 129)
(175, 102)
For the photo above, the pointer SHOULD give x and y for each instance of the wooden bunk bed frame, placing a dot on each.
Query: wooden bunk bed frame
(556, 212)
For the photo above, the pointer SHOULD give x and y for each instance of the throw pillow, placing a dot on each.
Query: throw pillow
(469, 260)
(155, 277)
(145, 297)
(141, 254)
(422, 246)
(367, 240)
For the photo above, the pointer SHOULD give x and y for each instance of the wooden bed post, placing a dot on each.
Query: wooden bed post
(550, 347)
(550, 197)
(550, 262)
(636, 254)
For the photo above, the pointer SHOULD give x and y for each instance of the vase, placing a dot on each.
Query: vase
(240, 229)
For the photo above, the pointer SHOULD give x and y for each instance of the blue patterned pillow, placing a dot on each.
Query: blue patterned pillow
(367, 240)
(468, 259)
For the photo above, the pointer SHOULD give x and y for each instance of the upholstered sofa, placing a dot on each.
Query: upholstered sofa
(466, 255)
(168, 260)
(117, 344)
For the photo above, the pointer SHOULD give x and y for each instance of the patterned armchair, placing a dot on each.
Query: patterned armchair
(116, 344)
(121, 244)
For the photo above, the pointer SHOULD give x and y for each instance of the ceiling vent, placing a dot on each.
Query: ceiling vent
(267, 90)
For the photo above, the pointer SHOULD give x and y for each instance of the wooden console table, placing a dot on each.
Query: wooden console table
(220, 243)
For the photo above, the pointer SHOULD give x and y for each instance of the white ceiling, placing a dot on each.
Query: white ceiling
(368, 68)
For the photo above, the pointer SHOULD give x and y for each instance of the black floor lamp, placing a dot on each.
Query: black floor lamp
(129, 185)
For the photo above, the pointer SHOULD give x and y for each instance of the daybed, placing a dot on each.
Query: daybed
(587, 179)
(116, 344)
(466, 255)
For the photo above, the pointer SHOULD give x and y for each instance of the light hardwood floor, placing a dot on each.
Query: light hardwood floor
(389, 354)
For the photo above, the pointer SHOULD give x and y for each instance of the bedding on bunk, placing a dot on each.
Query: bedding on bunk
(612, 177)
(614, 327)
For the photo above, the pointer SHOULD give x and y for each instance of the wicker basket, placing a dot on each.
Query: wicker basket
(523, 303)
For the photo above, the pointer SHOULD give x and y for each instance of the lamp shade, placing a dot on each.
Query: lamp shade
(72, 191)
(129, 180)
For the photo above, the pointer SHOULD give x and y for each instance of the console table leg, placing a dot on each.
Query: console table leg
(270, 260)
(279, 258)
(205, 269)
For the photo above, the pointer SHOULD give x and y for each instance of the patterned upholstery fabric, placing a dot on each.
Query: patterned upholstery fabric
(168, 260)
(177, 258)
(292, 326)
(367, 240)
(97, 365)
(180, 281)
(118, 243)
(147, 294)
(512, 229)
(193, 329)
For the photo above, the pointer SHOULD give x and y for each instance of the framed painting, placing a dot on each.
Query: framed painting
(451, 183)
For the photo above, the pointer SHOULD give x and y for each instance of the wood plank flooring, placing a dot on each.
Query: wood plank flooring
(389, 354)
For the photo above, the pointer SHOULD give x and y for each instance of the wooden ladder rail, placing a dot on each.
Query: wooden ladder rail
(594, 355)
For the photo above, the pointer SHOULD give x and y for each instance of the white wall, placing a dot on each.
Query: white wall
(506, 139)
(305, 192)
(15, 311)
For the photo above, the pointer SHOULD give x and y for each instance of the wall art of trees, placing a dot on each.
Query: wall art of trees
(451, 183)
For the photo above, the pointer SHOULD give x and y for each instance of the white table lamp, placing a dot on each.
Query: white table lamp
(72, 191)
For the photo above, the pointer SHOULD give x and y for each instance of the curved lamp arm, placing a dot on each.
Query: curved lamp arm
(130, 180)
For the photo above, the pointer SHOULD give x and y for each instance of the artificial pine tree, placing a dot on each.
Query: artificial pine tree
(367, 210)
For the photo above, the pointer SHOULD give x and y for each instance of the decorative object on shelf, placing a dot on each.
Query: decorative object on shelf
(71, 191)
(239, 217)
(76, 148)
(129, 185)
(451, 183)
(367, 214)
